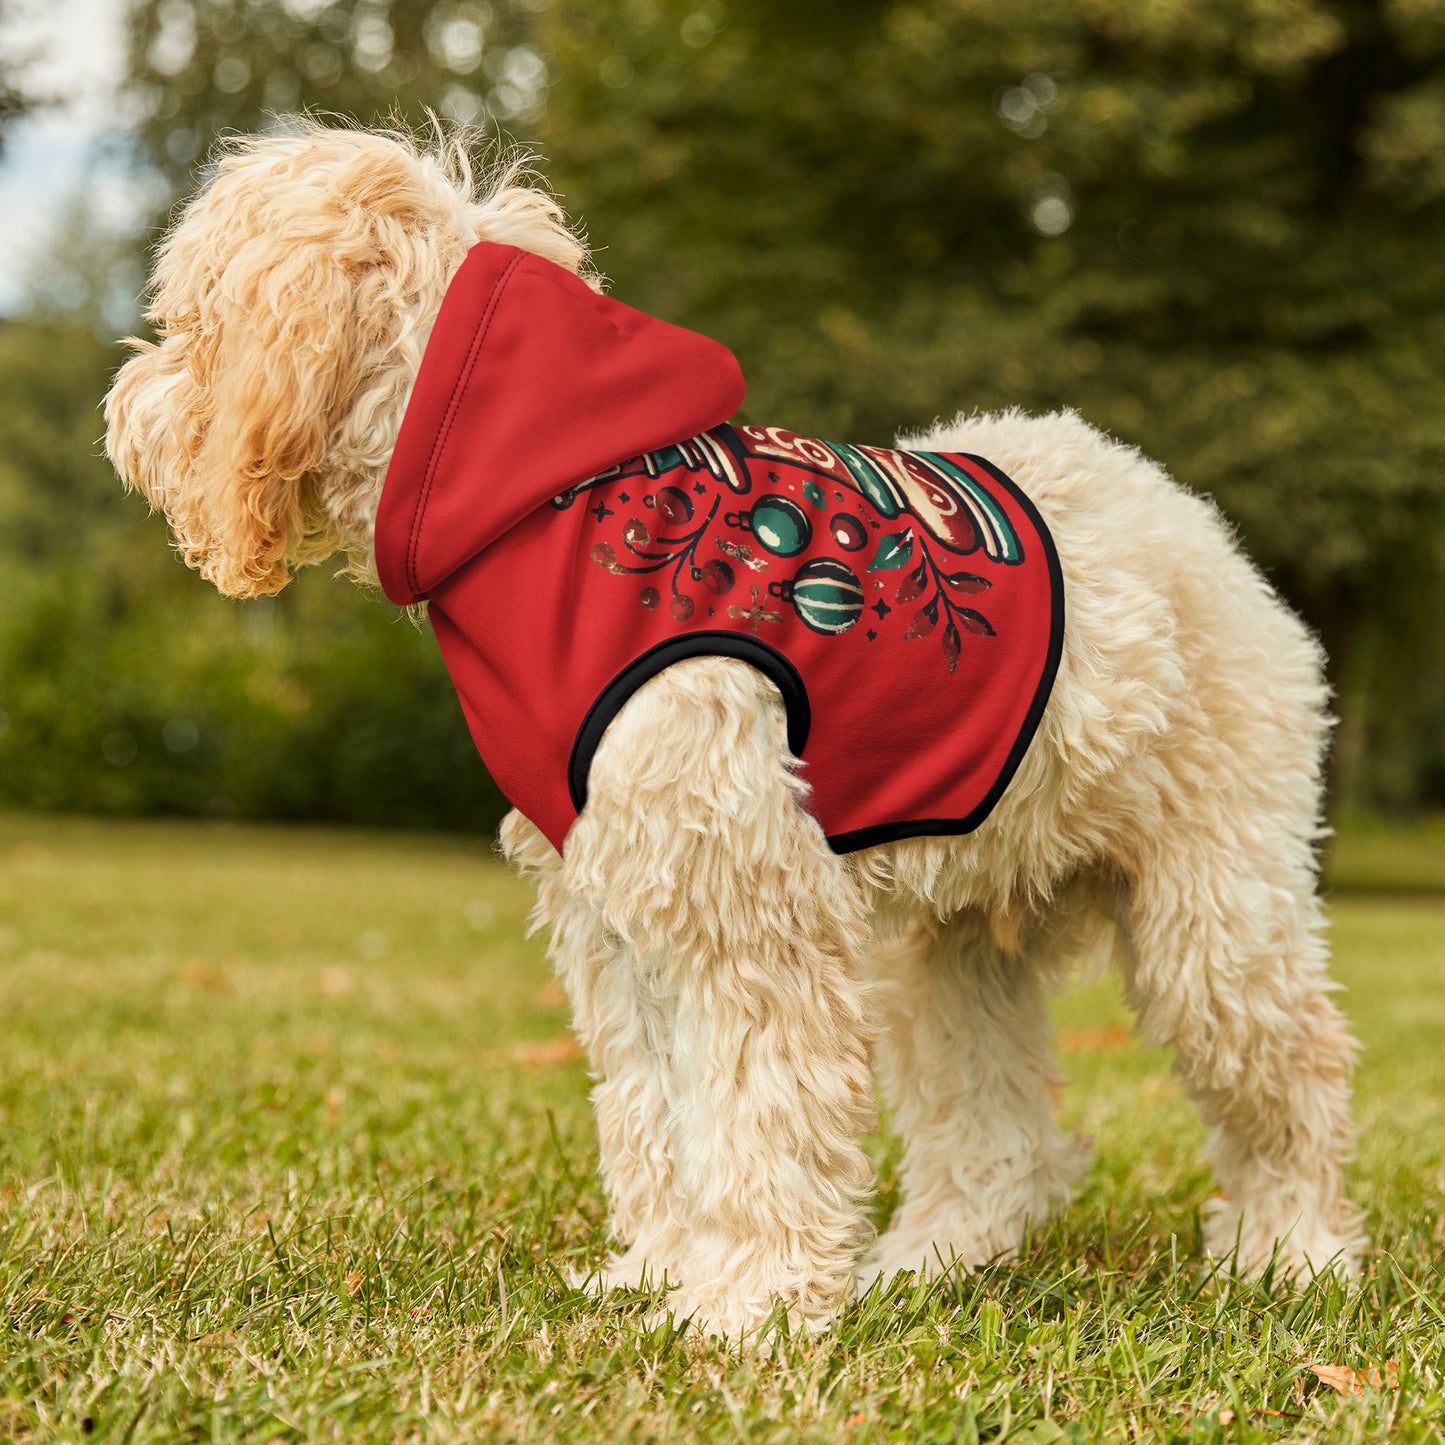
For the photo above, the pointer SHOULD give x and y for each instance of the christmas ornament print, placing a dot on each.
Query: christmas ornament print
(717, 576)
(954, 506)
(826, 594)
(903, 519)
(780, 525)
(674, 506)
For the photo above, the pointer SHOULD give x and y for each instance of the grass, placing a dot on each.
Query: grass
(1396, 858)
(292, 1147)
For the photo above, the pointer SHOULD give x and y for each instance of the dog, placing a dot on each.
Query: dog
(732, 976)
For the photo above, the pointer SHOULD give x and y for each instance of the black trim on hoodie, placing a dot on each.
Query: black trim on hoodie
(643, 668)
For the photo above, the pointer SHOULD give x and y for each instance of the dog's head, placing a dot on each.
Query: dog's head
(291, 301)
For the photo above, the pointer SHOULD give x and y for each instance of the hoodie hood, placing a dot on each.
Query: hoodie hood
(531, 382)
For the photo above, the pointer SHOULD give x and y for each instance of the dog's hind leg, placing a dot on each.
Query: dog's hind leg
(966, 1060)
(744, 928)
(1225, 961)
(1224, 951)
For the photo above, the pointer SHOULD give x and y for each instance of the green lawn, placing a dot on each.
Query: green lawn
(292, 1147)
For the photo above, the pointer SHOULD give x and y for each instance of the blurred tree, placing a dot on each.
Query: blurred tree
(202, 67)
(15, 96)
(127, 685)
(1216, 227)
(58, 496)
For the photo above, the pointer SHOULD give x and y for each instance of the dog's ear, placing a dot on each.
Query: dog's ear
(278, 353)
(223, 421)
(286, 302)
(144, 413)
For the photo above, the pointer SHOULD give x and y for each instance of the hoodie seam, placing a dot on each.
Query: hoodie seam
(484, 325)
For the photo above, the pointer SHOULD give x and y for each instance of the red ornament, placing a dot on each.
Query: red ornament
(682, 607)
(848, 532)
(674, 506)
(718, 577)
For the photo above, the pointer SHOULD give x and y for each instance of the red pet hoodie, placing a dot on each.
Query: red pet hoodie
(568, 497)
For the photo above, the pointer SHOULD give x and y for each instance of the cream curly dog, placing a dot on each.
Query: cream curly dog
(731, 976)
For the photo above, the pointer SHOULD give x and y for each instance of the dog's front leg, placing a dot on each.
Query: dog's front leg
(741, 929)
(623, 1022)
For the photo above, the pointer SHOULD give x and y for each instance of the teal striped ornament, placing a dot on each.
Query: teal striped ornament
(827, 596)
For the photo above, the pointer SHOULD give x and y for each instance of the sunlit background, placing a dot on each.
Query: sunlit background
(1215, 227)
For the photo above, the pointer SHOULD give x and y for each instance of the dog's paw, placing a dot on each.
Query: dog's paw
(1298, 1248)
(753, 1324)
(966, 1228)
(632, 1270)
(897, 1254)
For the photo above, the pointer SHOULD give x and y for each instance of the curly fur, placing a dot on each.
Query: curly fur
(729, 975)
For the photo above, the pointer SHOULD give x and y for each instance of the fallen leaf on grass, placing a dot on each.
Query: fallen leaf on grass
(204, 976)
(354, 1283)
(335, 982)
(1345, 1381)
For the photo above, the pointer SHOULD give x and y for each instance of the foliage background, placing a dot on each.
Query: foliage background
(1215, 227)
